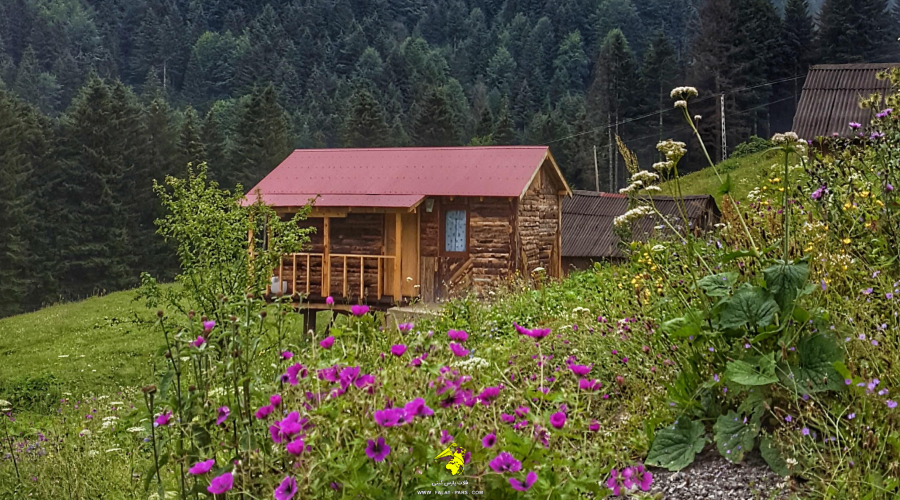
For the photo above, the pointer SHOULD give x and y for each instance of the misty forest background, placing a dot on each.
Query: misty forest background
(100, 97)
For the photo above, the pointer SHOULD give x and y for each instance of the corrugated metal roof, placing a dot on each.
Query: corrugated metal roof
(830, 98)
(587, 217)
(391, 177)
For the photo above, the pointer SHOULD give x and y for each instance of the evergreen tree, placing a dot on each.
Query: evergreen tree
(485, 124)
(798, 41)
(93, 240)
(853, 30)
(16, 205)
(661, 74)
(35, 85)
(215, 149)
(365, 126)
(262, 139)
(501, 70)
(434, 124)
(190, 147)
(570, 66)
(504, 129)
(615, 91)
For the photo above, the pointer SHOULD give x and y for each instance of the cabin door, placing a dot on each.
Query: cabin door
(409, 251)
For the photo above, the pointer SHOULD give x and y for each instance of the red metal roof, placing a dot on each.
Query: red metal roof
(399, 177)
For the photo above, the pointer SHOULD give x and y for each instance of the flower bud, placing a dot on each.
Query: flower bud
(159, 314)
(262, 314)
(149, 389)
(191, 314)
(168, 354)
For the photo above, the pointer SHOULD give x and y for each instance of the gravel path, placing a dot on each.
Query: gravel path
(713, 477)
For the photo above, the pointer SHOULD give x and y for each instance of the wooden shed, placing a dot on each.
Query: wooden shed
(398, 224)
(831, 95)
(588, 216)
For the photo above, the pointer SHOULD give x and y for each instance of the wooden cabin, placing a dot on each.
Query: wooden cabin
(395, 225)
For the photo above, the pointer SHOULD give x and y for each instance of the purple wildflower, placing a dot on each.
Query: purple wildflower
(489, 440)
(287, 489)
(162, 420)
(398, 350)
(504, 462)
(329, 300)
(417, 408)
(458, 335)
(209, 325)
(359, 310)
(327, 342)
(222, 415)
(377, 450)
(221, 484)
(530, 479)
(558, 420)
(458, 350)
(201, 468)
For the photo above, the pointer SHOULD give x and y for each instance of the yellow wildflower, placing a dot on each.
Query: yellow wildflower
(864, 194)
(880, 203)
(846, 241)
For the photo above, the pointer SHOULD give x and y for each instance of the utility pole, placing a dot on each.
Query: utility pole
(724, 137)
(614, 152)
(609, 128)
(596, 169)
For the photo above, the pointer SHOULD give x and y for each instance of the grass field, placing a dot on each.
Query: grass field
(101, 343)
(746, 174)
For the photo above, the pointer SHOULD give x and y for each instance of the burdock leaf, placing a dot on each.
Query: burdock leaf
(675, 446)
(717, 285)
(816, 371)
(773, 457)
(750, 305)
(760, 373)
(785, 281)
(735, 435)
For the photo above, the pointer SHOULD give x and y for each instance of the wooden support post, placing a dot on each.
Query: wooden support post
(344, 281)
(250, 252)
(280, 274)
(308, 257)
(326, 258)
(362, 277)
(379, 289)
(398, 235)
(294, 280)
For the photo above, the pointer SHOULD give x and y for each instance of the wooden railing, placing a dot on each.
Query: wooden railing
(303, 284)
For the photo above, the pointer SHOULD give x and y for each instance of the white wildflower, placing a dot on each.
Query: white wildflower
(580, 309)
(538, 270)
(681, 104)
(113, 450)
(472, 362)
(135, 429)
(697, 118)
(663, 166)
(631, 215)
(673, 150)
(63, 356)
(658, 248)
(85, 432)
(654, 189)
(645, 176)
(93, 453)
(216, 392)
(631, 187)
(117, 403)
(684, 92)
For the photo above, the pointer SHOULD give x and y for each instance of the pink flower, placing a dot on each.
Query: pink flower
(530, 479)
(417, 408)
(201, 468)
(580, 370)
(286, 355)
(264, 412)
(458, 335)
(163, 420)
(521, 411)
(293, 371)
(398, 350)
(222, 415)
(504, 462)
(377, 450)
(275, 399)
(489, 440)
(221, 484)
(359, 310)
(296, 446)
(329, 300)
(199, 342)
(458, 350)
(488, 394)
(327, 342)
(405, 327)
(209, 325)
(595, 425)
(287, 489)
(391, 417)
(558, 420)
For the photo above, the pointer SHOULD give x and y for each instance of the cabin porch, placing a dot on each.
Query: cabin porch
(354, 256)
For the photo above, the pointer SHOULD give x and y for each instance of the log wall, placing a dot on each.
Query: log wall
(538, 226)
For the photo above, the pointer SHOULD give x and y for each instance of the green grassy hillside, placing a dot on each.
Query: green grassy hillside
(746, 173)
(101, 343)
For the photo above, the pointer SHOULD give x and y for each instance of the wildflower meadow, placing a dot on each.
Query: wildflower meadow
(773, 335)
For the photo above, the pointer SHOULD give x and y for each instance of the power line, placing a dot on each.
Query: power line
(655, 113)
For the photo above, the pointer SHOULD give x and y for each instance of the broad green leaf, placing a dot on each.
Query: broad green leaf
(165, 382)
(726, 186)
(760, 373)
(735, 435)
(728, 257)
(773, 457)
(816, 371)
(754, 404)
(683, 327)
(718, 285)
(674, 447)
(750, 305)
(785, 282)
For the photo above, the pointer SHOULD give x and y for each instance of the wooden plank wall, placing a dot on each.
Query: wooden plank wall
(539, 226)
(491, 242)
